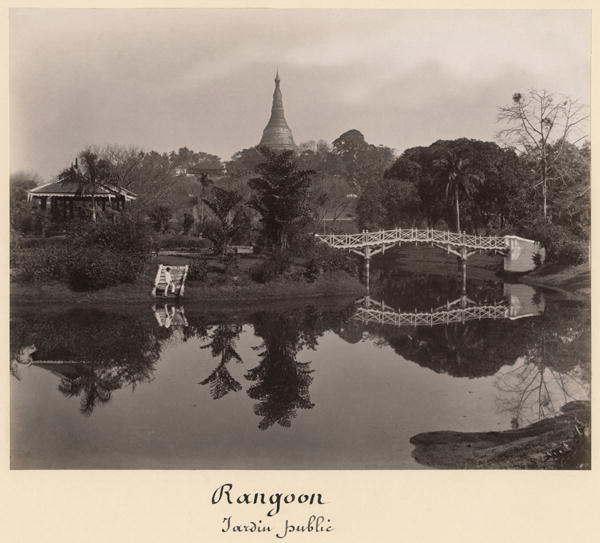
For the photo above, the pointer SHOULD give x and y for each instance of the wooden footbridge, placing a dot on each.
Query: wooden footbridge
(518, 252)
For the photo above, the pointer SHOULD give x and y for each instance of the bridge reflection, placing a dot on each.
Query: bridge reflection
(519, 301)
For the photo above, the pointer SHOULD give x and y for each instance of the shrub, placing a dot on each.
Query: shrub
(41, 264)
(159, 217)
(126, 234)
(231, 264)
(271, 268)
(575, 252)
(198, 270)
(107, 253)
(92, 256)
(36, 242)
(561, 245)
(94, 268)
(324, 259)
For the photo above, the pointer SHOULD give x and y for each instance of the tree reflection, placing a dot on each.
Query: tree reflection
(282, 382)
(223, 344)
(94, 385)
(554, 369)
(424, 291)
(473, 348)
(93, 352)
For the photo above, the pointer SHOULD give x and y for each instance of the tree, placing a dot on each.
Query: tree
(230, 217)
(160, 217)
(331, 192)
(124, 163)
(21, 216)
(457, 177)
(243, 163)
(389, 203)
(188, 222)
(153, 176)
(88, 172)
(281, 197)
(359, 160)
(540, 123)
(195, 161)
(570, 194)
(497, 206)
(20, 183)
(205, 182)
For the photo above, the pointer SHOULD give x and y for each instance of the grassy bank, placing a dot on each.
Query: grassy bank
(216, 287)
(572, 281)
(433, 261)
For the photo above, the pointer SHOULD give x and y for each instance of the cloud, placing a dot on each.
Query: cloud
(165, 78)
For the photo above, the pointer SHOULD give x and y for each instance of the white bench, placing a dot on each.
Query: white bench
(178, 275)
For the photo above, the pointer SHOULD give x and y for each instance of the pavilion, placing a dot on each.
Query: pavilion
(60, 197)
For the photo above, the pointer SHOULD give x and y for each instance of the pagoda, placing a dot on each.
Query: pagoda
(277, 135)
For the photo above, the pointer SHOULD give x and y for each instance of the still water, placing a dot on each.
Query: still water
(341, 384)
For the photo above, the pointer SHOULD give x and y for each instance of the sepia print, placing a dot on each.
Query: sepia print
(271, 239)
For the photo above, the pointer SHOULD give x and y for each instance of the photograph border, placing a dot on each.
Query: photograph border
(403, 506)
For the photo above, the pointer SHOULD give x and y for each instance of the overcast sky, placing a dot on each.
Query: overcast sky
(164, 79)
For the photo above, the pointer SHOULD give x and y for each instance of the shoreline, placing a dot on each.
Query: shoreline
(571, 281)
(559, 442)
(330, 285)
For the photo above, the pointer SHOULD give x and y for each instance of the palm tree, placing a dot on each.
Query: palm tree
(455, 173)
(88, 172)
(230, 215)
(205, 182)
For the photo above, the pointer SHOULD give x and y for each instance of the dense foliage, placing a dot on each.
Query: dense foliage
(21, 217)
(93, 255)
(491, 190)
(272, 267)
(323, 259)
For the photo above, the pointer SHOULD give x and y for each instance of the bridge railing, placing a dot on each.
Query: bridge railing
(412, 235)
(378, 316)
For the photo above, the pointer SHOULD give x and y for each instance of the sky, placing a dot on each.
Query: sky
(161, 79)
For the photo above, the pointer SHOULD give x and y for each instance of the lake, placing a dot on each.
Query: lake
(321, 384)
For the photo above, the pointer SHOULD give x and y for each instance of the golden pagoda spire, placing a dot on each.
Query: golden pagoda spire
(277, 135)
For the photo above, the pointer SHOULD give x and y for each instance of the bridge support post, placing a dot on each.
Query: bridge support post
(367, 266)
(463, 260)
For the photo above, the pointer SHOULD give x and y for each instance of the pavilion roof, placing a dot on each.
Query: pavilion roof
(68, 189)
